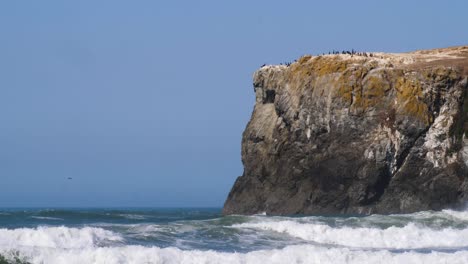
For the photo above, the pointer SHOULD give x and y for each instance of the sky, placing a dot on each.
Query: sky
(143, 103)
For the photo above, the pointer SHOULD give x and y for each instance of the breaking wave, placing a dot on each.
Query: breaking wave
(56, 237)
(410, 236)
(424, 237)
(290, 254)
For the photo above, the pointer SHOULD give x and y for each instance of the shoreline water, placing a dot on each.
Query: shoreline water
(203, 235)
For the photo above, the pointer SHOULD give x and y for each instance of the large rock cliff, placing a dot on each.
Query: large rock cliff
(386, 133)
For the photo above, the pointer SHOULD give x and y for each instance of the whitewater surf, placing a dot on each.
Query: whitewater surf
(204, 236)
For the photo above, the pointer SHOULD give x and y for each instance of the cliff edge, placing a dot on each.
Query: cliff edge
(332, 134)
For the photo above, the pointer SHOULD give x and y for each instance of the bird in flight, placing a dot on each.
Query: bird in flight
(70, 178)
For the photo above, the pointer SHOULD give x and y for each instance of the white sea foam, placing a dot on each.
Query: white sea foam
(261, 214)
(56, 237)
(444, 214)
(410, 243)
(133, 216)
(147, 228)
(291, 254)
(410, 236)
(47, 218)
(461, 215)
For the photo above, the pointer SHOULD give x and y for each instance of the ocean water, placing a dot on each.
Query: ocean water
(195, 235)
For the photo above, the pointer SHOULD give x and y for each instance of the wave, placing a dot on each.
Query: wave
(410, 236)
(290, 254)
(431, 219)
(424, 237)
(47, 218)
(460, 215)
(56, 237)
(133, 216)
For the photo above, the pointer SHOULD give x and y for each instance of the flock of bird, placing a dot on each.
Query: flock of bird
(335, 52)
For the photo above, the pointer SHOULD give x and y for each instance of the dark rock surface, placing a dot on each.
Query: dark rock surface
(357, 134)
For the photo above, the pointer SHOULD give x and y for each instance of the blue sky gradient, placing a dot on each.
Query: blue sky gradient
(143, 103)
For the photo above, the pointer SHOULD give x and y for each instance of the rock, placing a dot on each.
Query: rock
(342, 134)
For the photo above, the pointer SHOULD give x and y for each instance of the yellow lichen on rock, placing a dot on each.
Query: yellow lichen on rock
(373, 91)
(349, 83)
(308, 66)
(410, 98)
(441, 73)
(325, 65)
(364, 83)
(359, 91)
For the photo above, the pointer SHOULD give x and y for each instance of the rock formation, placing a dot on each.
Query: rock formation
(347, 134)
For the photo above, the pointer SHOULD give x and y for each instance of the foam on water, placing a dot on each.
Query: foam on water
(410, 236)
(47, 218)
(56, 237)
(133, 216)
(291, 254)
(424, 237)
(461, 215)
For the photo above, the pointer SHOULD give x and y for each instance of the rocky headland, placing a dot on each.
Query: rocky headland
(357, 134)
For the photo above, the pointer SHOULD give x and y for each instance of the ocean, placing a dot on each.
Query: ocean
(203, 235)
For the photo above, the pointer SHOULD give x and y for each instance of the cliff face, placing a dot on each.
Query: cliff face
(355, 134)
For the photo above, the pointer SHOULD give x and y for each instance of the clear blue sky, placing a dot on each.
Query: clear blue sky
(143, 103)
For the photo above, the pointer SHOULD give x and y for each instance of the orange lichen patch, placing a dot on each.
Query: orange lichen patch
(308, 66)
(300, 75)
(410, 99)
(362, 92)
(342, 72)
(327, 65)
(304, 59)
(345, 90)
(441, 73)
(377, 86)
(300, 69)
(373, 92)
(349, 83)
